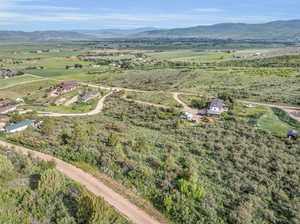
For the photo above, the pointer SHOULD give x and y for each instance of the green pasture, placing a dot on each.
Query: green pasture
(4, 83)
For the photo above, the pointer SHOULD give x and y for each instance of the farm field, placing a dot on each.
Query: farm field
(202, 56)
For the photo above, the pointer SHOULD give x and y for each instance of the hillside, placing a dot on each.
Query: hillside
(115, 32)
(277, 30)
(20, 36)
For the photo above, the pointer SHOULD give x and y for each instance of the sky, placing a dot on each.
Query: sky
(31, 15)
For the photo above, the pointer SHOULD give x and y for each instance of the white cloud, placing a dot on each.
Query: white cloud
(33, 5)
(207, 10)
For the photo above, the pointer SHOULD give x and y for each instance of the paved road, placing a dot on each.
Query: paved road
(97, 110)
(124, 206)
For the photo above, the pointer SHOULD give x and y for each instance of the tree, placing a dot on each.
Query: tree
(16, 117)
(51, 181)
(113, 139)
(78, 136)
(47, 127)
(6, 167)
(93, 210)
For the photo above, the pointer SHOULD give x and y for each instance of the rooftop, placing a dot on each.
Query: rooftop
(19, 125)
(217, 103)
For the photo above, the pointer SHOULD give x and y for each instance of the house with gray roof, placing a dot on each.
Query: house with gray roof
(88, 96)
(21, 126)
(216, 107)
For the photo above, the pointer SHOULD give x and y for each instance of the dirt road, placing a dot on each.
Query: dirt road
(186, 108)
(124, 206)
(292, 111)
(97, 110)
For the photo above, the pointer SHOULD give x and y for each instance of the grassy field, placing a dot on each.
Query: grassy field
(161, 98)
(26, 90)
(266, 119)
(201, 57)
(4, 83)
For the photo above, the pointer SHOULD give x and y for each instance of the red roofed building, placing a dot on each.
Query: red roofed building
(66, 86)
(4, 102)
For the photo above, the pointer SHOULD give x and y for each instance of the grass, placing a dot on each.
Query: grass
(200, 57)
(161, 98)
(4, 83)
(26, 89)
(75, 108)
(270, 122)
(264, 118)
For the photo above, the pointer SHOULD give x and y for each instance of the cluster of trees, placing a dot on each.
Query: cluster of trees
(222, 172)
(32, 191)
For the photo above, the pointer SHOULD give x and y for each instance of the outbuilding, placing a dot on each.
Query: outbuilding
(21, 126)
(293, 134)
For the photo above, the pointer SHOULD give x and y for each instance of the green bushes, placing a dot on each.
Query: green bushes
(6, 167)
(222, 172)
(33, 192)
(284, 116)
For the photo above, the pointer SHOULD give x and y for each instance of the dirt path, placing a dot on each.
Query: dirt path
(129, 210)
(292, 111)
(97, 110)
(186, 108)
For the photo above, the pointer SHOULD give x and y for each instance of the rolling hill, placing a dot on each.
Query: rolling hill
(41, 36)
(115, 32)
(277, 30)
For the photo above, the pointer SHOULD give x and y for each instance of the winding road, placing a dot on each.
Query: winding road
(97, 110)
(124, 206)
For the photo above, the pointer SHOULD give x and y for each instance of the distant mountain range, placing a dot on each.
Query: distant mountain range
(272, 31)
(277, 30)
(116, 32)
(41, 36)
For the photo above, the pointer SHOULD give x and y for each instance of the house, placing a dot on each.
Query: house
(21, 126)
(216, 107)
(5, 102)
(66, 86)
(11, 74)
(19, 100)
(3, 70)
(249, 105)
(257, 54)
(88, 96)
(96, 66)
(7, 109)
(292, 134)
